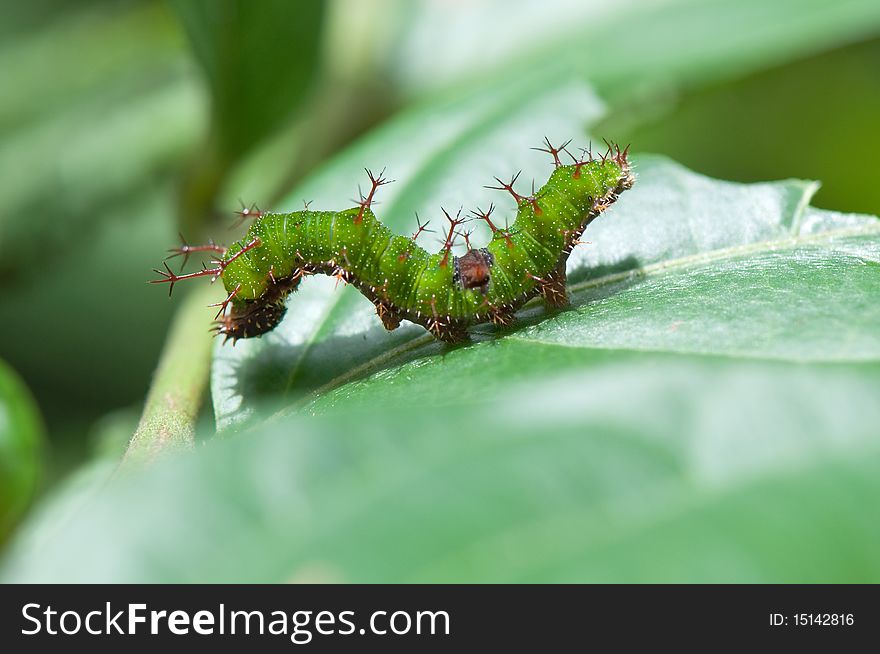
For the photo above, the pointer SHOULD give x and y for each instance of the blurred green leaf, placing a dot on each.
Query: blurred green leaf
(84, 132)
(616, 45)
(842, 153)
(259, 58)
(630, 467)
(57, 199)
(706, 411)
(78, 50)
(21, 443)
(91, 315)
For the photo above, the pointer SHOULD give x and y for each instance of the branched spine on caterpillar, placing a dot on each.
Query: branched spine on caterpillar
(443, 293)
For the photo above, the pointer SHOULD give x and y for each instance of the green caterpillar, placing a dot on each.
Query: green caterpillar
(443, 293)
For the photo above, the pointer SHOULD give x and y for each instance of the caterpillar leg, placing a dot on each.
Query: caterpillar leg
(390, 319)
(553, 288)
(448, 332)
(501, 317)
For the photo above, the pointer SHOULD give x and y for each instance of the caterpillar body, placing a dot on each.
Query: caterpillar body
(443, 293)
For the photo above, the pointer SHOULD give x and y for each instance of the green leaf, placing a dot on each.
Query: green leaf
(706, 411)
(80, 143)
(259, 59)
(625, 467)
(121, 308)
(21, 443)
(630, 46)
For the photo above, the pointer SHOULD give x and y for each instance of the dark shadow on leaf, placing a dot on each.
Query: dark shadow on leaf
(283, 374)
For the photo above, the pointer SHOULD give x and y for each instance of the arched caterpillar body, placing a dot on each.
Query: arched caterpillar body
(441, 292)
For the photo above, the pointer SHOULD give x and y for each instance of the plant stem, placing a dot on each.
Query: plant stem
(179, 384)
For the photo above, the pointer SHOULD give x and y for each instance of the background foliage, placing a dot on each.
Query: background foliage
(705, 412)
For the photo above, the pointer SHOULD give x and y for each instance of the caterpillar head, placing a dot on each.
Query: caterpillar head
(250, 319)
(472, 270)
